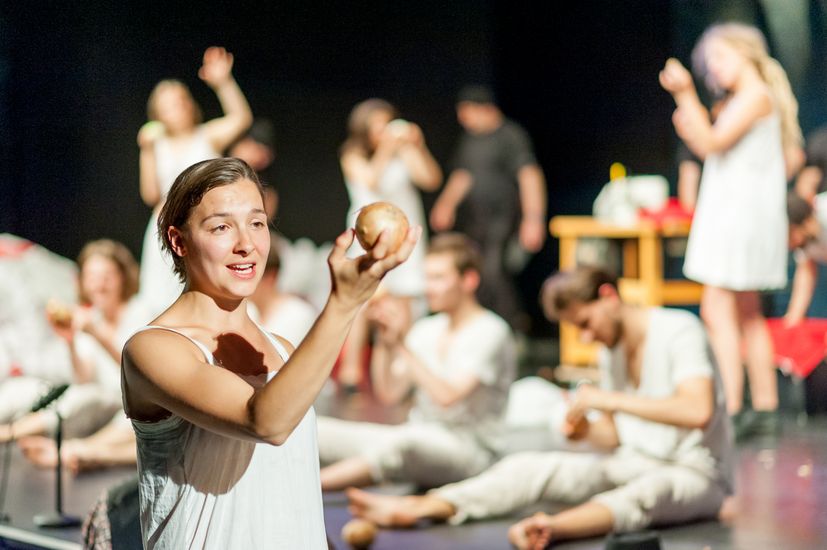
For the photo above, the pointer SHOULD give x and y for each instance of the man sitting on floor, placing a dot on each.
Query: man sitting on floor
(661, 412)
(459, 363)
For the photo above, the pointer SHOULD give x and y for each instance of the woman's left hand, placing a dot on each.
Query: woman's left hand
(354, 280)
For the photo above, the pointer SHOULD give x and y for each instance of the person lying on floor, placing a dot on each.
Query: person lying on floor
(459, 364)
(662, 414)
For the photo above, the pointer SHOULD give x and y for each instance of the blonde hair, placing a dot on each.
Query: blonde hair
(152, 102)
(749, 42)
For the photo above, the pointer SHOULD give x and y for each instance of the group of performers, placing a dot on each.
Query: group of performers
(204, 374)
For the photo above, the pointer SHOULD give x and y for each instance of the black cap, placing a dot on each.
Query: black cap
(476, 94)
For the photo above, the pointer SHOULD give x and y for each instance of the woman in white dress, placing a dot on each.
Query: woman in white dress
(385, 159)
(738, 242)
(175, 138)
(222, 409)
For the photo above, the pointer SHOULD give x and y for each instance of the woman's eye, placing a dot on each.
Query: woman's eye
(220, 228)
(258, 224)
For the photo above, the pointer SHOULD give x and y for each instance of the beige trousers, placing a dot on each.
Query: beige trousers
(427, 454)
(638, 490)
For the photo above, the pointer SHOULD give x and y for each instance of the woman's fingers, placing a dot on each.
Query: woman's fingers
(390, 261)
(340, 246)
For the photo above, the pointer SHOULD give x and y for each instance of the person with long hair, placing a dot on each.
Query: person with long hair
(175, 138)
(738, 242)
(223, 410)
(385, 158)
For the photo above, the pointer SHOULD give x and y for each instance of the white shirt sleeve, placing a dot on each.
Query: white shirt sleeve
(485, 352)
(689, 352)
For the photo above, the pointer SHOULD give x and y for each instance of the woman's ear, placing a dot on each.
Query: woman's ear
(177, 241)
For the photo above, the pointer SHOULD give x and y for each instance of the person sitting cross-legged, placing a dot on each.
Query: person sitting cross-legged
(660, 411)
(459, 364)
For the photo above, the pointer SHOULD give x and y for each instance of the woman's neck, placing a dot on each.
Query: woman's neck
(749, 77)
(216, 313)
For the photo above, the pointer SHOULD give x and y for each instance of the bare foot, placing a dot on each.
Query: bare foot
(532, 533)
(40, 451)
(389, 510)
(729, 510)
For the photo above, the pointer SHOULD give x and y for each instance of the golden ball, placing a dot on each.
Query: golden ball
(359, 533)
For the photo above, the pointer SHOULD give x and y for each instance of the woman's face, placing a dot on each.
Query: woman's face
(227, 241)
(101, 282)
(724, 63)
(376, 126)
(175, 109)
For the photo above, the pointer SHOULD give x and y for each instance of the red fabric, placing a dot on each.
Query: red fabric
(671, 213)
(12, 248)
(799, 349)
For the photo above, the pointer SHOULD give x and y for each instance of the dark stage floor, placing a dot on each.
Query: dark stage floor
(782, 498)
(782, 495)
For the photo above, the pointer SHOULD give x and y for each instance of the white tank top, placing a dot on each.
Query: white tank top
(170, 162)
(199, 489)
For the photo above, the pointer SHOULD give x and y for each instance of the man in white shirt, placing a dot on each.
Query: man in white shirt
(660, 410)
(459, 364)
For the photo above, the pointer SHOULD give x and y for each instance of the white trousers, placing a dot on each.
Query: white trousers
(427, 454)
(638, 490)
(85, 408)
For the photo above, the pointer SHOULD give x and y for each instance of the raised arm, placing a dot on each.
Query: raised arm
(219, 400)
(691, 118)
(425, 171)
(150, 187)
(366, 171)
(216, 72)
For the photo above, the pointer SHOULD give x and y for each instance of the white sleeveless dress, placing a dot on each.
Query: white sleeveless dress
(395, 186)
(738, 239)
(159, 285)
(202, 490)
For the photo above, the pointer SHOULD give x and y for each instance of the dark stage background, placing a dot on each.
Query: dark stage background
(581, 76)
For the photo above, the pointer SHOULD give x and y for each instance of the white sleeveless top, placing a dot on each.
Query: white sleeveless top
(738, 239)
(170, 162)
(199, 489)
(395, 186)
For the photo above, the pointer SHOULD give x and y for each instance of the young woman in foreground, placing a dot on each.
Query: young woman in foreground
(227, 453)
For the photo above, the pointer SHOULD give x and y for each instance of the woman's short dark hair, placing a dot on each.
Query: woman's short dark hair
(582, 284)
(188, 190)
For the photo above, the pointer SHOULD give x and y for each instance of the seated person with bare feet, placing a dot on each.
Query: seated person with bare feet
(661, 412)
(94, 333)
(114, 444)
(459, 364)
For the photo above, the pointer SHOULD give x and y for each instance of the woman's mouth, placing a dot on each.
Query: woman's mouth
(243, 271)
